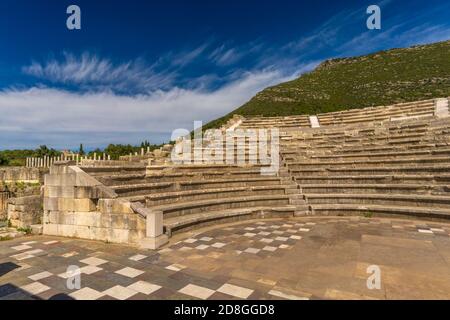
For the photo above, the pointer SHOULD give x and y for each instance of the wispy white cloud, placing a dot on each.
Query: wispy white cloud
(90, 70)
(63, 113)
(186, 57)
(224, 56)
(395, 37)
(116, 102)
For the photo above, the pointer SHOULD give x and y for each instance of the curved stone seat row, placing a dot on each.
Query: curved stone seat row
(204, 192)
(387, 168)
(387, 161)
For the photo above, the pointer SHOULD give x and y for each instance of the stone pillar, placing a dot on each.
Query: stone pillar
(441, 108)
(155, 237)
(314, 121)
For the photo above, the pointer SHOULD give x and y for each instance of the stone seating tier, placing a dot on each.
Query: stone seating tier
(188, 191)
(364, 162)
(384, 168)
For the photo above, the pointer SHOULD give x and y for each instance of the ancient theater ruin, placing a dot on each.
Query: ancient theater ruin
(389, 161)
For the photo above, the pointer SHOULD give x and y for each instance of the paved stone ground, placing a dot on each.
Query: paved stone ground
(302, 258)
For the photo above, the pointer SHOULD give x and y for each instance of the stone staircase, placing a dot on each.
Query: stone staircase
(400, 111)
(195, 195)
(386, 161)
(385, 168)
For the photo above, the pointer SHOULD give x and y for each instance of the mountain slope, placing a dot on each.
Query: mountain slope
(382, 78)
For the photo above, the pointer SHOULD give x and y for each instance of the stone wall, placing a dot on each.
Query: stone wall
(4, 196)
(77, 205)
(21, 182)
(25, 211)
(22, 174)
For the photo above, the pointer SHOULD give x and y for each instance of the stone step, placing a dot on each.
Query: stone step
(410, 200)
(207, 194)
(298, 202)
(369, 209)
(423, 169)
(392, 154)
(183, 208)
(376, 188)
(143, 188)
(190, 221)
(439, 179)
(105, 170)
(377, 162)
(234, 182)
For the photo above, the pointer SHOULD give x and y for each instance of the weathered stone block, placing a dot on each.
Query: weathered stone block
(114, 206)
(59, 191)
(51, 204)
(66, 180)
(80, 205)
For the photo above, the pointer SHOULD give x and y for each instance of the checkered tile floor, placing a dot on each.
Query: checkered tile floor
(252, 260)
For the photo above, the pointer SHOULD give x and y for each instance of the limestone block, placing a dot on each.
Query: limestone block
(119, 221)
(60, 170)
(141, 223)
(50, 229)
(81, 192)
(13, 215)
(136, 236)
(20, 207)
(100, 233)
(51, 217)
(36, 229)
(66, 218)
(51, 204)
(154, 243)
(87, 219)
(105, 220)
(114, 206)
(80, 205)
(83, 232)
(154, 223)
(441, 108)
(66, 180)
(132, 221)
(59, 191)
(119, 235)
(68, 230)
(83, 179)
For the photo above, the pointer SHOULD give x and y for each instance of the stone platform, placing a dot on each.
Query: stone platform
(297, 258)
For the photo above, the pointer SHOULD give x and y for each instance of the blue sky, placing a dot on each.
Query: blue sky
(139, 69)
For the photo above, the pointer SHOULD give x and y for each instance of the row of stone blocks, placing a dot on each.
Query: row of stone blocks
(392, 168)
(24, 212)
(398, 112)
(78, 205)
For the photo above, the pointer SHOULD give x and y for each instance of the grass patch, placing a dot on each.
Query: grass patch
(26, 230)
(368, 214)
(382, 78)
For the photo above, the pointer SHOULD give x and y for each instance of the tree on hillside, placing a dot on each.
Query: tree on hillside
(3, 160)
(81, 151)
(45, 151)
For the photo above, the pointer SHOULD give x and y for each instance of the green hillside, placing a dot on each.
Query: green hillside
(382, 78)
